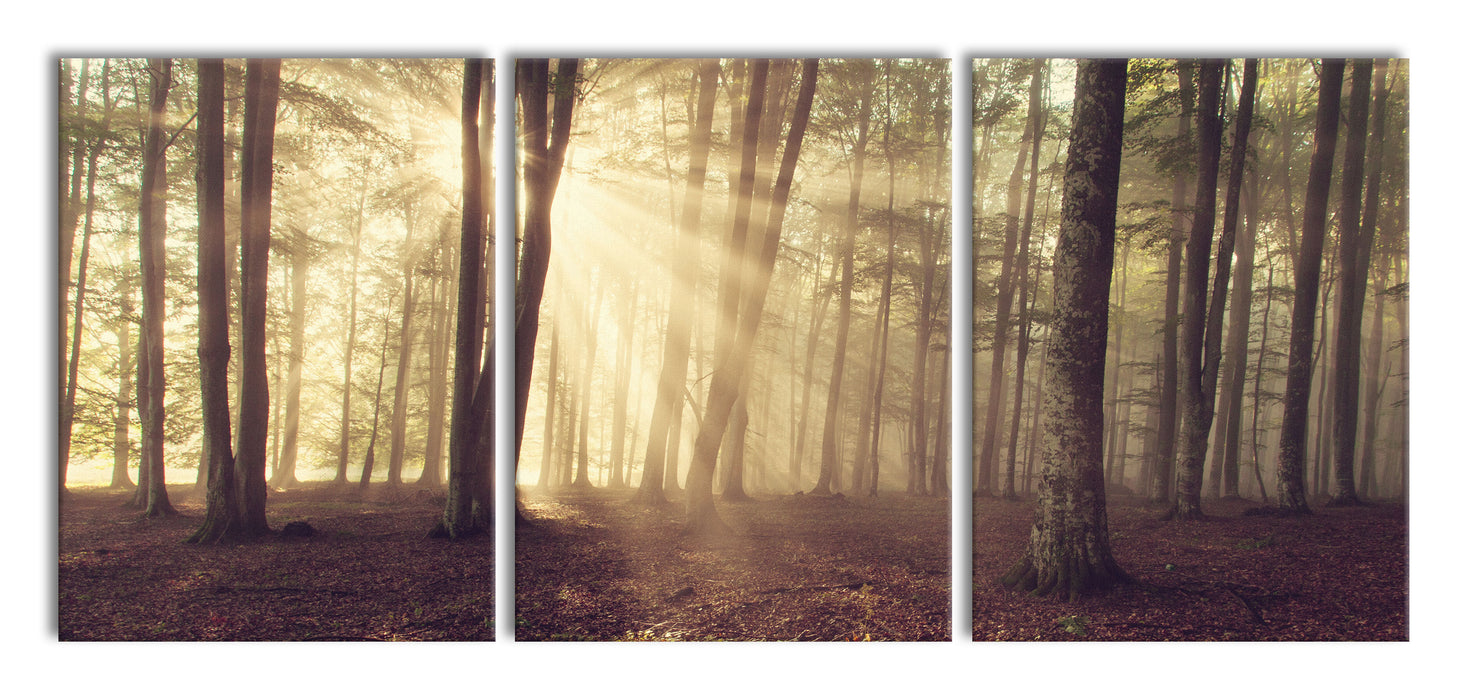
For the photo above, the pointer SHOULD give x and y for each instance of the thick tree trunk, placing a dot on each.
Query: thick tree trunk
(1290, 489)
(1070, 550)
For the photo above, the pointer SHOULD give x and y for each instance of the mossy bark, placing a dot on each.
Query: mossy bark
(1069, 550)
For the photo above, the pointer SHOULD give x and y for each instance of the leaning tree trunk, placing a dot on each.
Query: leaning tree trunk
(542, 172)
(727, 375)
(1291, 489)
(1022, 263)
(1070, 551)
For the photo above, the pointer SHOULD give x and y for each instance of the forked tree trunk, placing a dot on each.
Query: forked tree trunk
(1070, 549)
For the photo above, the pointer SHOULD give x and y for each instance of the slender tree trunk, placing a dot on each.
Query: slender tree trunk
(152, 228)
(1162, 491)
(667, 411)
(262, 85)
(223, 514)
(461, 518)
(406, 331)
(1290, 489)
(121, 445)
(1070, 550)
(829, 437)
(1236, 358)
(285, 477)
(542, 172)
(343, 444)
(702, 517)
(1356, 255)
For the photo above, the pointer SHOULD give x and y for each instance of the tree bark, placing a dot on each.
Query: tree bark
(1070, 550)
(1356, 256)
(222, 507)
(1162, 490)
(262, 85)
(1290, 488)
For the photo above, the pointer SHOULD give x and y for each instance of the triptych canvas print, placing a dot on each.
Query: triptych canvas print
(732, 349)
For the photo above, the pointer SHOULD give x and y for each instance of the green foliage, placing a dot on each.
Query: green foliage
(1074, 624)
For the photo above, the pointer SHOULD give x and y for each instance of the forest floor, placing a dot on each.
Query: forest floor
(1338, 574)
(369, 572)
(594, 566)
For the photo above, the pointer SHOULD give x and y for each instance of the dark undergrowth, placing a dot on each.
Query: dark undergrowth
(1339, 574)
(368, 572)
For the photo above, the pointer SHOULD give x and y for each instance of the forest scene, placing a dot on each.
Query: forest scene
(731, 349)
(262, 274)
(1190, 349)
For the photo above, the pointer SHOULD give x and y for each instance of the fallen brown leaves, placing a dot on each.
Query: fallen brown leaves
(1340, 574)
(595, 566)
(369, 573)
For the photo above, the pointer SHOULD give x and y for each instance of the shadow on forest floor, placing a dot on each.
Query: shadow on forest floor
(596, 567)
(1340, 574)
(369, 572)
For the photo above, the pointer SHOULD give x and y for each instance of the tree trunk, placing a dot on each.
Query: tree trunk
(223, 514)
(262, 85)
(867, 85)
(727, 375)
(1162, 490)
(1356, 256)
(121, 446)
(461, 518)
(399, 424)
(343, 444)
(1195, 406)
(285, 476)
(152, 229)
(1290, 489)
(1070, 550)
(542, 172)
